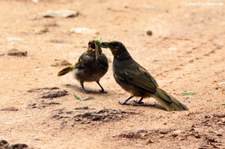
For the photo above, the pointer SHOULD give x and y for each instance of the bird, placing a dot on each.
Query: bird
(136, 80)
(92, 65)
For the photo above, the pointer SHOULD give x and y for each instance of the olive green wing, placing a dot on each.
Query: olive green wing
(139, 77)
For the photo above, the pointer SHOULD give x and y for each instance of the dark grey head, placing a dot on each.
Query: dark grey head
(117, 48)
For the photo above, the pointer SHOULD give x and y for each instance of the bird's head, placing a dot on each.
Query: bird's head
(94, 48)
(117, 48)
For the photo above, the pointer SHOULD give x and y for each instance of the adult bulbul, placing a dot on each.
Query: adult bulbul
(136, 80)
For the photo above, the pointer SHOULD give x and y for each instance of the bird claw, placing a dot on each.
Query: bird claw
(103, 91)
(85, 92)
(138, 102)
(122, 103)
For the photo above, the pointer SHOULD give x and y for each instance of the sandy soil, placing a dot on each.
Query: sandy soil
(185, 53)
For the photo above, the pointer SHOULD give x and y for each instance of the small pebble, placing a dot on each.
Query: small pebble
(3, 144)
(83, 30)
(61, 13)
(41, 30)
(149, 142)
(9, 109)
(176, 133)
(218, 43)
(172, 49)
(82, 108)
(15, 52)
(13, 39)
(221, 84)
(18, 146)
(149, 33)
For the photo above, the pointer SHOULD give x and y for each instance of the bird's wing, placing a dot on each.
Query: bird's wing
(85, 60)
(140, 77)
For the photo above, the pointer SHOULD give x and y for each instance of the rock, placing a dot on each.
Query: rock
(53, 92)
(13, 39)
(172, 49)
(69, 112)
(15, 52)
(223, 120)
(130, 135)
(218, 133)
(149, 33)
(149, 141)
(221, 84)
(4, 144)
(18, 146)
(9, 109)
(220, 115)
(176, 133)
(218, 43)
(83, 30)
(61, 13)
(82, 108)
(97, 117)
(41, 30)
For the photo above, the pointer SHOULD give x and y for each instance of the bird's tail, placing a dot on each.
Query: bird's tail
(168, 101)
(66, 70)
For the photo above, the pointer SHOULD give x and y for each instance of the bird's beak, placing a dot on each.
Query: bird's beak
(109, 45)
(105, 45)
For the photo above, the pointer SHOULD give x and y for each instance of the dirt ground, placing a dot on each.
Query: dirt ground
(185, 53)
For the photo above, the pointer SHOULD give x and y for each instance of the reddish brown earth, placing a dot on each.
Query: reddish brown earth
(186, 53)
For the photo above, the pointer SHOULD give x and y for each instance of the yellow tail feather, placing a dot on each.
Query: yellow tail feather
(65, 70)
(168, 101)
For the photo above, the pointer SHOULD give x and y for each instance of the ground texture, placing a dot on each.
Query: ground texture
(182, 46)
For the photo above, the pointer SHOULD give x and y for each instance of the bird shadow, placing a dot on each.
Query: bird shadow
(79, 89)
(155, 106)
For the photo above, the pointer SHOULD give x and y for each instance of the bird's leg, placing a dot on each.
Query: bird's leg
(82, 85)
(125, 102)
(102, 89)
(139, 101)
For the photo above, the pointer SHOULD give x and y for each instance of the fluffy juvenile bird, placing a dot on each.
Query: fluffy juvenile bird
(91, 66)
(136, 80)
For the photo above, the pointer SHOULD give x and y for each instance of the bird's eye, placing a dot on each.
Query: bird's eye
(117, 47)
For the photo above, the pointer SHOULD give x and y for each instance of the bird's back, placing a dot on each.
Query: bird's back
(88, 68)
(133, 78)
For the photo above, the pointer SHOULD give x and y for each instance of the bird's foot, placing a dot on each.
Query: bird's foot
(122, 102)
(138, 102)
(85, 91)
(103, 91)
